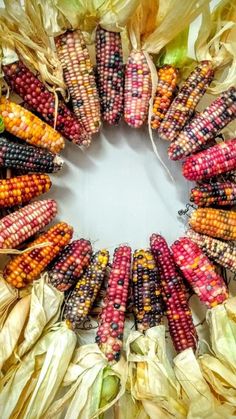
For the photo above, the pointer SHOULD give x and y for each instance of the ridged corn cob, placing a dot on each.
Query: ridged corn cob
(218, 193)
(138, 89)
(25, 268)
(27, 158)
(80, 302)
(79, 78)
(215, 223)
(147, 300)
(111, 322)
(110, 75)
(17, 227)
(220, 252)
(27, 85)
(70, 264)
(166, 88)
(180, 321)
(28, 127)
(183, 106)
(205, 126)
(199, 272)
(221, 158)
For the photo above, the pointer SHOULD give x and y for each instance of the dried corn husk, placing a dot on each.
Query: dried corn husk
(8, 296)
(127, 408)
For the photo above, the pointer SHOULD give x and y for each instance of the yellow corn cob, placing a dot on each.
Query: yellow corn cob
(214, 223)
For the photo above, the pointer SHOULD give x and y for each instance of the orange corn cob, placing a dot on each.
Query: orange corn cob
(215, 223)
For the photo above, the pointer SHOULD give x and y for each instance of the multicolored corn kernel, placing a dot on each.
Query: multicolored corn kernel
(180, 321)
(223, 253)
(205, 126)
(110, 74)
(25, 268)
(146, 289)
(166, 89)
(70, 264)
(111, 322)
(27, 85)
(81, 300)
(199, 272)
(218, 193)
(28, 127)
(79, 78)
(17, 227)
(138, 89)
(183, 106)
(214, 222)
(216, 160)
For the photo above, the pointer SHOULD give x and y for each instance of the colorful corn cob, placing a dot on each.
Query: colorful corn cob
(70, 264)
(220, 158)
(218, 193)
(214, 222)
(178, 312)
(220, 252)
(138, 89)
(80, 302)
(41, 100)
(205, 126)
(111, 323)
(17, 227)
(79, 78)
(28, 127)
(183, 106)
(166, 88)
(23, 269)
(199, 272)
(110, 74)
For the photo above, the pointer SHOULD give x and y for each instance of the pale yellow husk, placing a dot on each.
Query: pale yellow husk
(127, 408)
(8, 296)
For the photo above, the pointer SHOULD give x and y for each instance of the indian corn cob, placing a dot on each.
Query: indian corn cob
(218, 193)
(199, 272)
(183, 106)
(25, 268)
(138, 89)
(110, 74)
(27, 85)
(214, 222)
(27, 158)
(17, 227)
(205, 126)
(223, 253)
(80, 302)
(21, 189)
(166, 89)
(147, 300)
(28, 127)
(221, 158)
(79, 78)
(111, 322)
(70, 264)
(180, 321)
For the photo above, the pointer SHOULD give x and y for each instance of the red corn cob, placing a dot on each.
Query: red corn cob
(199, 272)
(218, 193)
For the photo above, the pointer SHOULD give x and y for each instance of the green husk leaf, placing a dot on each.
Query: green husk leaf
(176, 52)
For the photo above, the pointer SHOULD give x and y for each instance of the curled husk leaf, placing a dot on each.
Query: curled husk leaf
(8, 296)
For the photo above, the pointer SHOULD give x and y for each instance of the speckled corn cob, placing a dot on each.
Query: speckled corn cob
(79, 78)
(183, 106)
(199, 272)
(111, 322)
(25, 268)
(180, 321)
(221, 158)
(17, 227)
(166, 88)
(110, 74)
(220, 252)
(21, 189)
(205, 126)
(70, 264)
(147, 300)
(218, 193)
(215, 223)
(80, 302)
(41, 100)
(138, 89)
